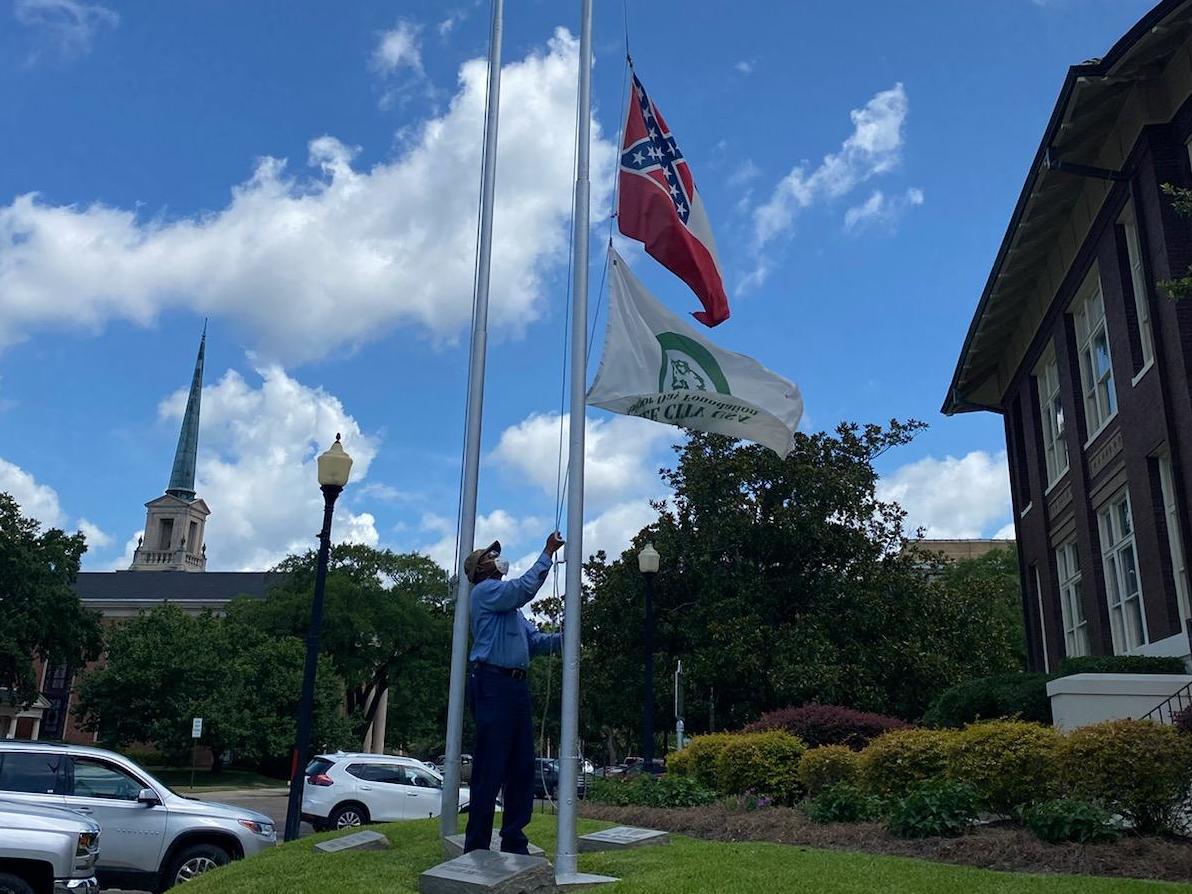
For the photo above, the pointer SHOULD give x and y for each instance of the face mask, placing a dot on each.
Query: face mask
(502, 565)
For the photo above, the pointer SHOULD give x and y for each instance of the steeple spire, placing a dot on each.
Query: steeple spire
(182, 477)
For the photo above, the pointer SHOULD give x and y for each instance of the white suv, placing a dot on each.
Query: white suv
(345, 790)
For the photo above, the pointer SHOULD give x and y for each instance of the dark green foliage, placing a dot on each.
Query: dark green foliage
(992, 578)
(1006, 695)
(783, 582)
(646, 791)
(843, 803)
(40, 615)
(933, 809)
(1181, 287)
(1121, 664)
(1070, 819)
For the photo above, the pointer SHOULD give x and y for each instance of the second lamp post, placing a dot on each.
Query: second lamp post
(647, 563)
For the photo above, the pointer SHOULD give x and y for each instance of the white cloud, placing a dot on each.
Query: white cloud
(873, 148)
(41, 502)
(257, 449)
(617, 453)
(746, 66)
(744, 173)
(1006, 532)
(399, 47)
(950, 497)
(70, 23)
(496, 525)
(880, 209)
(309, 264)
(447, 25)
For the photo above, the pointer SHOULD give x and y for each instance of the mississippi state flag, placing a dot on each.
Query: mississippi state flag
(658, 205)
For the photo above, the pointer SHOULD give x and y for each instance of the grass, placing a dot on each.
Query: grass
(178, 778)
(686, 866)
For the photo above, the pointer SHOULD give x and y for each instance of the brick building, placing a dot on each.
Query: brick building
(1090, 362)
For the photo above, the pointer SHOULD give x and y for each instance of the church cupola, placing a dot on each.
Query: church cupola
(176, 521)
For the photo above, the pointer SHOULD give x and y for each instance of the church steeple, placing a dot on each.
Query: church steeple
(182, 477)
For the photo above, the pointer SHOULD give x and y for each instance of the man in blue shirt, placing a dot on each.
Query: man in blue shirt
(503, 641)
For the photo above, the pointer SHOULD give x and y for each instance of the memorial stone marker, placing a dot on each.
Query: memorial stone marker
(489, 872)
(620, 838)
(454, 845)
(357, 841)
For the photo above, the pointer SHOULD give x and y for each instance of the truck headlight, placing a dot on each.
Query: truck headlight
(88, 841)
(265, 830)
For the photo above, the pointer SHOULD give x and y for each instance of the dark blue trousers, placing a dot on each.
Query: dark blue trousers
(503, 758)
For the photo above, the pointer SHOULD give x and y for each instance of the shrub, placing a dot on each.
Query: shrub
(1182, 720)
(1141, 769)
(827, 725)
(896, 762)
(761, 762)
(1070, 819)
(843, 803)
(647, 791)
(698, 759)
(1023, 696)
(1121, 664)
(933, 808)
(828, 765)
(1008, 762)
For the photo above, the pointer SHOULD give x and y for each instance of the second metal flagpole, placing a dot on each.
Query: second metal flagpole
(569, 757)
(449, 818)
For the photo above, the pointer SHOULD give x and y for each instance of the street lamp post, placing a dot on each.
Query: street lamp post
(334, 467)
(647, 562)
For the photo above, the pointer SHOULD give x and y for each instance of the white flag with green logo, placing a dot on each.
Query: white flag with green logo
(657, 367)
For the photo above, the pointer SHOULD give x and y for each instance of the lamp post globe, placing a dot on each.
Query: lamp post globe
(334, 468)
(647, 563)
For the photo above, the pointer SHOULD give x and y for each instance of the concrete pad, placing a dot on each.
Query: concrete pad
(621, 837)
(357, 841)
(489, 872)
(577, 881)
(453, 845)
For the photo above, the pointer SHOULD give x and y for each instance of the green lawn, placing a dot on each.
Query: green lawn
(686, 866)
(178, 778)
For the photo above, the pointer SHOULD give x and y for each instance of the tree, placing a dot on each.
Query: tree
(40, 614)
(386, 623)
(1180, 287)
(166, 667)
(783, 581)
(992, 580)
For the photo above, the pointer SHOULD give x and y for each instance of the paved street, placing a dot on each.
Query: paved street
(271, 802)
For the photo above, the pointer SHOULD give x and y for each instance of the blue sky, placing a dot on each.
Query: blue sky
(306, 175)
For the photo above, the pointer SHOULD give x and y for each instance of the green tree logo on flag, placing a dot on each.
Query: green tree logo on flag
(688, 366)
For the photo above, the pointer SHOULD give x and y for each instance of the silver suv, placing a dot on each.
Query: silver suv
(153, 838)
(46, 850)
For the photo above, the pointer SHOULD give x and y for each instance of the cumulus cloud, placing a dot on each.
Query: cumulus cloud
(952, 497)
(70, 24)
(41, 502)
(881, 210)
(873, 148)
(746, 66)
(617, 454)
(399, 47)
(257, 449)
(307, 264)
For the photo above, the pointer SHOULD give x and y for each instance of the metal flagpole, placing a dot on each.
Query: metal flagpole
(471, 472)
(569, 757)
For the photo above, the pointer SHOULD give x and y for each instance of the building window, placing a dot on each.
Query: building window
(1175, 541)
(1096, 365)
(1127, 615)
(1138, 285)
(1051, 417)
(1076, 626)
(167, 534)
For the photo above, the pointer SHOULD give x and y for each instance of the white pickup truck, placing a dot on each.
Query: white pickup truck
(46, 850)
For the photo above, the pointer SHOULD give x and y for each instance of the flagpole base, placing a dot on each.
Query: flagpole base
(578, 881)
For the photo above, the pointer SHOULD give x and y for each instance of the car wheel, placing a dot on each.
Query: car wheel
(347, 816)
(13, 884)
(194, 860)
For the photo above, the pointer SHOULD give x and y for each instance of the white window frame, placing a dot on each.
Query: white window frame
(1076, 625)
(1097, 386)
(1175, 541)
(1123, 583)
(1042, 622)
(1051, 417)
(1138, 283)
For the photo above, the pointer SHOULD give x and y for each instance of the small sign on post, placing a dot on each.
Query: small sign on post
(196, 733)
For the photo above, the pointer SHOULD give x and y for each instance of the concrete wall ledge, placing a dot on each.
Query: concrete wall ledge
(1159, 685)
(1084, 699)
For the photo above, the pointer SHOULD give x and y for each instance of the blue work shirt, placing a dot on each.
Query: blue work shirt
(501, 634)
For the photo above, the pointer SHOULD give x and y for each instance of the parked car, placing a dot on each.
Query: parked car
(153, 838)
(465, 766)
(350, 789)
(546, 778)
(46, 850)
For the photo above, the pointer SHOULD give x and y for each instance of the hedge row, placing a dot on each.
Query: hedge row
(1139, 769)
